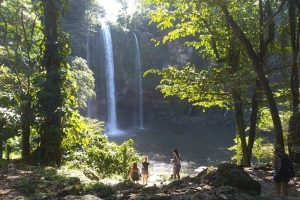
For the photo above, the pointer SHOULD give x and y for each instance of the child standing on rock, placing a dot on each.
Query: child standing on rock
(145, 170)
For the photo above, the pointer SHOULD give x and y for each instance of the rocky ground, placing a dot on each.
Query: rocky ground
(19, 181)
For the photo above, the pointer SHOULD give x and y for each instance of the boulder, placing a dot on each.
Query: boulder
(245, 196)
(72, 181)
(69, 190)
(50, 173)
(158, 196)
(127, 185)
(176, 184)
(85, 197)
(89, 197)
(20, 198)
(101, 190)
(232, 175)
(200, 169)
(91, 174)
(226, 190)
(151, 189)
(205, 175)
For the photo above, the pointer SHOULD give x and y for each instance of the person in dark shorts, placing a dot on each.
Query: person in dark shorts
(176, 164)
(134, 173)
(283, 171)
(145, 170)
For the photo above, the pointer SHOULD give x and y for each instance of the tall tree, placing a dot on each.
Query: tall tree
(124, 17)
(294, 22)
(203, 26)
(294, 25)
(53, 95)
(258, 58)
(21, 37)
(226, 81)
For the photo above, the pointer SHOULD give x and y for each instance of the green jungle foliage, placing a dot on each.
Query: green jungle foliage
(234, 36)
(263, 151)
(86, 145)
(83, 77)
(23, 98)
(248, 46)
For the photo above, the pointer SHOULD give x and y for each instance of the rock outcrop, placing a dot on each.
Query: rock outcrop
(227, 181)
(232, 175)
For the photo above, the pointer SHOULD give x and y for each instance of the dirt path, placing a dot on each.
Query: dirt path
(265, 178)
(9, 175)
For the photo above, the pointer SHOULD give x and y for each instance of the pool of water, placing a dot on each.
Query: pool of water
(201, 146)
(198, 147)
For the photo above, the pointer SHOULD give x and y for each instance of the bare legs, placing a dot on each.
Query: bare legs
(175, 174)
(145, 179)
(178, 175)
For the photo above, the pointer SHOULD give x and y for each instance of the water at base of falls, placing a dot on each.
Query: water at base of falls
(195, 144)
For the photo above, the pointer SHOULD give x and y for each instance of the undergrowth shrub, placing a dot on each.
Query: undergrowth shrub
(262, 151)
(86, 146)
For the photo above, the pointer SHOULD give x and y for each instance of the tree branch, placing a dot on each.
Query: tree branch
(8, 50)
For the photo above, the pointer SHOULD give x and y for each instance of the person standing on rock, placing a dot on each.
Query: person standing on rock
(176, 164)
(134, 173)
(145, 170)
(283, 171)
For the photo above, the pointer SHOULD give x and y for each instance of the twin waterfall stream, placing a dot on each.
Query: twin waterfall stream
(138, 75)
(112, 119)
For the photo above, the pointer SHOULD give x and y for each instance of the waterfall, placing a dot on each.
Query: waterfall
(111, 125)
(138, 72)
(88, 58)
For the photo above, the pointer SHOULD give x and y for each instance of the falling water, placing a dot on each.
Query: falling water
(138, 71)
(111, 125)
(89, 109)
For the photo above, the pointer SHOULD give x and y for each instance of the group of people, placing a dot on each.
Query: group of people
(134, 172)
(135, 175)
(283, 170)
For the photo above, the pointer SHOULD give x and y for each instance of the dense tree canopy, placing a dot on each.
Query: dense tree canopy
(241, 40)
(43, 89)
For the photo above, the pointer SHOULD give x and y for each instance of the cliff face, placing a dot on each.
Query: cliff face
(74, 23)
(158, 111)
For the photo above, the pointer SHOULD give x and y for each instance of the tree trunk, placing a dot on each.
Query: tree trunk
(240, 125)
(1, 146)
(258, 66)
(25, 128)
(294, 131)
(253, 119)
(52, 99)
(294, 33)
(8, 149)
(25, 140)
